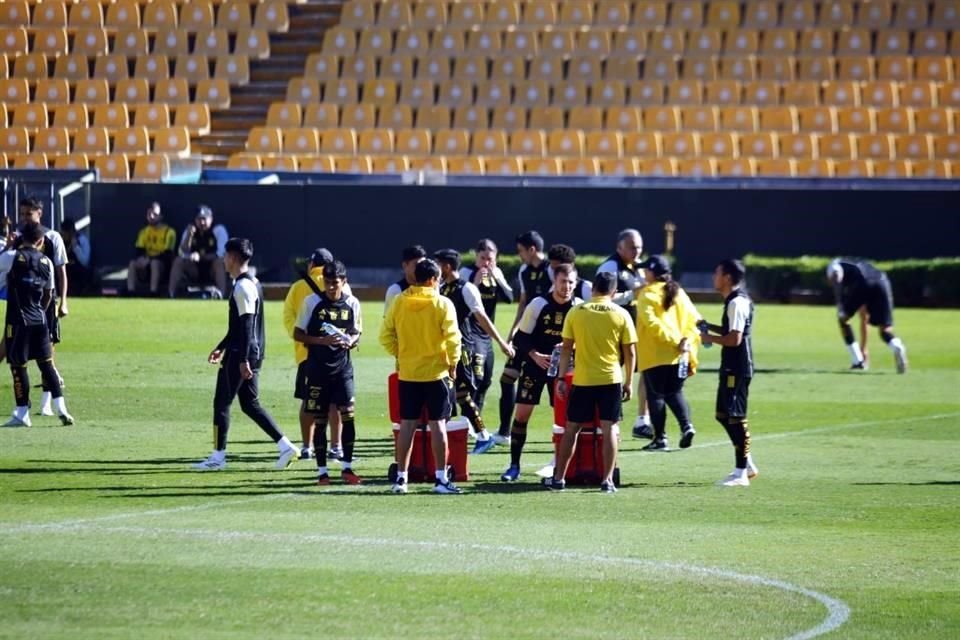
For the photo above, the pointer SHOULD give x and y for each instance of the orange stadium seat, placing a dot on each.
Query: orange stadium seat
(111, 116)
(321, 116)
(30, 116)
(123, 14)
(71, 116)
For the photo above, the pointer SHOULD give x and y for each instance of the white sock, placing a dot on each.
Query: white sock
(60, 404)
(740, 473)
(321, 471)
(856, 355)
(283, 444)
(346, 466)
(219, 454)
(21, 412)
(441, 475)
(895, 344)
(483, 435)
(401, 475)
(750, 464)
(45, 398)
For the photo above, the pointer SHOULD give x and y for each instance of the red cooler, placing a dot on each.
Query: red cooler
(586, 465)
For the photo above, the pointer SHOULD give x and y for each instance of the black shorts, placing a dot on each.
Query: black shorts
(25, 343)
(732, 394)
(300, 384)
(53, 321)
(470, 370)
(878, 299)
(585, 404)
(531, 383)
(321, 393)
(435, 396)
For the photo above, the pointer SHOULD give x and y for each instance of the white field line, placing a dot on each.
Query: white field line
(837, 611)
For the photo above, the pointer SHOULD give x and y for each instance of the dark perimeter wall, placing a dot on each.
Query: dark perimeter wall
(368, 225)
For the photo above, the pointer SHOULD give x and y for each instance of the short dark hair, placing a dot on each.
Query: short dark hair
(416, 252)
(486, 244)
(335, 270)
(32, 204)
(564, 268)
(426, 271)
(604, 283)
(32, 232)
(530, 239)
(562, 253)
(450, 257)
(734, 269)
(242, 247)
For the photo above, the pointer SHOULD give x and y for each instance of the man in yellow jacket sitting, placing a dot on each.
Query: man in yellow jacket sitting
(420, 331)
(299, 291)
(667, 342)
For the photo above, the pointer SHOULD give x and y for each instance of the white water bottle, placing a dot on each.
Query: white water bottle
(554, 367)
(683, 367)
(331, 330)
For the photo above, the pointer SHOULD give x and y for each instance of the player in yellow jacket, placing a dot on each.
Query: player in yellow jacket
(298, 292)
(667, 342)
(420, 331)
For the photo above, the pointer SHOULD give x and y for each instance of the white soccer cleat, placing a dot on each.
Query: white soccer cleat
(287, 456)
(18, 421)
(502, 441)
(900, 355)
(213, 463)
(400, 486)
(735, 479)
(546, 471)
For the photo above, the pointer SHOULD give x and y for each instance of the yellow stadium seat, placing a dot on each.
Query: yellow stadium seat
(948, 95)
(524, 43)
(50, 41)
(244, 161)
(321, 164)
(736, 167)
(111, 116)
(912, 14)
(489, 142)
(279, 163)
(71, 161)
(303, 141)
(448, 42)
(774, 167)
(743, 69)
(720, 145)
(820, 43)
(213, 42)
(52, 13)
(589, 69)
(722, 92)
(857, 68)
(380, 92)
(596, 42)
(540, 118)
(171, 91)
(512, 118)
(193, 68)
(471, 68)
(171, 42)
(71, 116)
(699, 118)
(340, 40)
(131, 141)
(763, 93)
(30, 66)
(934, 120)
(342, 91)
(113, 167)
(389, 164)
(130, 42)
(813, 168)
(918, 94)
(394, 14)
(152, 68)
(431, 117)
(782, 68)
(558, 42)
(779, 42)
(321, 116)
(612, 13)
(646, 93)
(13, 40)
(93, 91)
(837, 146)
(509, 68)
(661, 68)
(849, 168)
(30, 161)
(914, 147)
(195, 117)
(610, 93)
(357, 13)
(413, 42)
(547, 68)
(430, 14)
(685, 92)
(322, 65)
(681, 144)
(14, 13)
(123, 14)
(457, 92)
(650, 14)
(946, 147)
(196, 16)
(779, 119)
(801, 94)
(160, 14)
(565, 142)
(272, 16)
(172, 141)
(452, 142)
(893, 120)
(284, 114)
(431, 68)
(629, 43)
(376, 41)
(661, 118)
(471, 117)
(899, 68)
(570, 94)
(879, 94)
(467, 13)
(697, 167)
(836, 14)
(930, 168)
(234, 69)
(586, 118)
(112, 67)
(358, 116)
(620, 118)
(618, 166)
(152, 116)
(874, 146)
(503, 14)
(413, 142)
(705, 42)
(854, 42)
(604, 143)
(798, 145)
(742, 42)
(418, 92)
(72, 67)
(934, 68)
(493, 93)
(742, 119)
(657, 167)
(15, 140)
(579, 166)
(539, 13)
(30, 116)
(891, 168)
(375, 141)
(502, 166)
(398, 116)
(704, 69)
(528, 142)
(338, 141)
(465, 165)
(759, 145)
(94, 140)
(234, 15)
(799, 14)
(264, 140)
(435, 164)
(892, 43)
(360, 67)
(151, 168)
(15, 90)
(578, 12)
(946, 13)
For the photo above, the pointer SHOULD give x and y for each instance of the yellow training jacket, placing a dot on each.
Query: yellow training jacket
(298, 292)
(420, 331)
(659, 332)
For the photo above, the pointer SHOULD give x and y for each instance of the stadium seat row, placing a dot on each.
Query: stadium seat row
(117, 66)
(686, 13)
(97, 140)
(95, 41)
(578, 143)
(111, 167)
(197, 15)
(589, 66)
(665, 42)
(213, 92)
(651, 167)
(35, 116)
(936, 120)
(534, 93)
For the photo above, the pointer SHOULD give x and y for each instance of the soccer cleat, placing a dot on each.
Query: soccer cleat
(752, 470)
(323, 480)
(735, 479)
(657, 445)
(511, 474)
(608, 487)
(446, 488)
(400, 486)
(349, 477)
(642, 429)
(287, 456)
(859, 366)
(554, 485)
(687, 438)
(66, 419)
(546, 471)
(305, 453)
(900, 355)
(336, 453)
(212, 463)
(503, 441)
(16, 421)
(482, 446)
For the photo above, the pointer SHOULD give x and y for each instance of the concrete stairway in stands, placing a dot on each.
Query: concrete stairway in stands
(268, 80)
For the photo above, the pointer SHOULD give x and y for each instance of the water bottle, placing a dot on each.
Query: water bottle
(683, 367)
(554, 367)
(331, 330)
(703, 325)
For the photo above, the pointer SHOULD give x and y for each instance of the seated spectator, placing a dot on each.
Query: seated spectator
(201, 253)
(78, 257)
(155, 248)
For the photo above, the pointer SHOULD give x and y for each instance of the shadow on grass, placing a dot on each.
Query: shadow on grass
(931, 483)
(801, 371)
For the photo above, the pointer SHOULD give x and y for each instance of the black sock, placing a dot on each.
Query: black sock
(471, 412)
(21, 385)
(347, 436)
(518, 438)
(51, 379)
(508, 400)
(740, 436)
(320, 442)
(847, 334)
(887, 335)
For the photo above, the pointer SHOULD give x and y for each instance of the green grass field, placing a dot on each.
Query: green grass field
(850, 530)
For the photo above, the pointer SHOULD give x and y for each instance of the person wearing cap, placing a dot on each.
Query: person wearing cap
(155, 247)
(309, 283)
(667, 339)
(201, 252)
(476, 330)
(409, 258)
(859, 286)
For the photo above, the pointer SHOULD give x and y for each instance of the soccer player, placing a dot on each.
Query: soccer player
(310, 282)
(624, 265)
(736, 367)
(538, 335)
(29, 293)
(330, 325)
(667, 339)
(409, 258)
(860, 286)
(202, 246)
(536, 279)
(604, 334)
(240, 355)
(476, 331)
(493, 287)
(564, 254)
(420, 331)
(155, 248)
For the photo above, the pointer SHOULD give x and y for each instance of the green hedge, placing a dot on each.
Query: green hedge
(915, 282)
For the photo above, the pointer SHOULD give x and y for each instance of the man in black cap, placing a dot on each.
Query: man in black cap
(201, 253)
